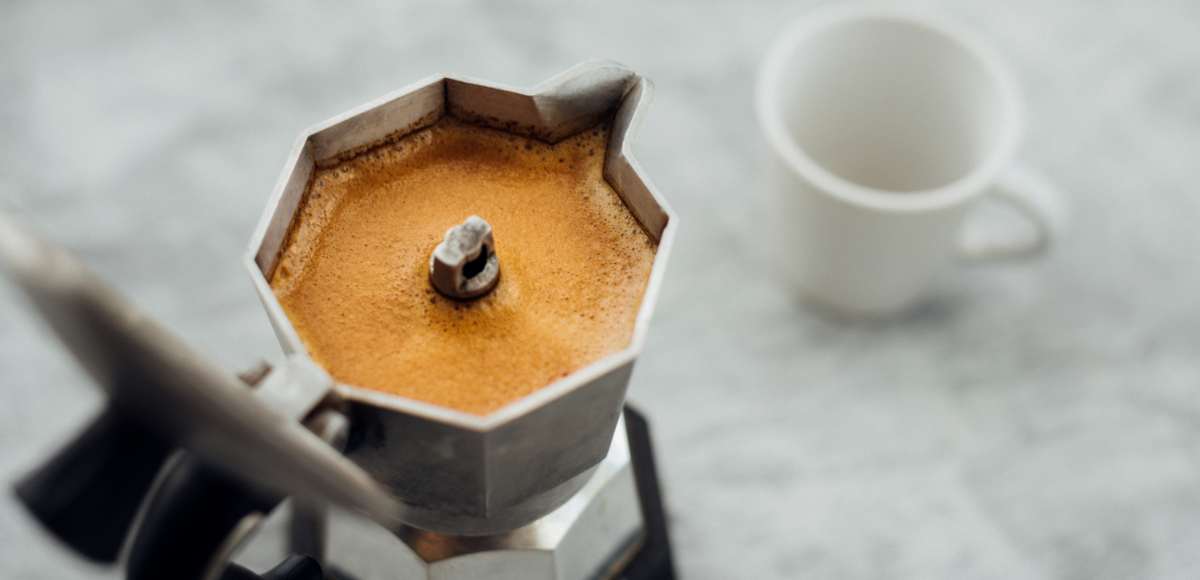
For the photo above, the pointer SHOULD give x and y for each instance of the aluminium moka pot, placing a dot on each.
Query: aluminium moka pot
(540, 488)
(503, 470)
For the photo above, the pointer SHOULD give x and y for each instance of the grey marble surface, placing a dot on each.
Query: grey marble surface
(1034, 421)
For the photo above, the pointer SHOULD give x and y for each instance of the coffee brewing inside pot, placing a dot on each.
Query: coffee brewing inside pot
(354, 273)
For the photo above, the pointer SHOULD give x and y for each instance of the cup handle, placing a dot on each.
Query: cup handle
(1038, 201)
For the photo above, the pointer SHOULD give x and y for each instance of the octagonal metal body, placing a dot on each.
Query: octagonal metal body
(456, 472)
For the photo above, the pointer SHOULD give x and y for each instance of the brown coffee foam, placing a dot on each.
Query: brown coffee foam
(354, 273)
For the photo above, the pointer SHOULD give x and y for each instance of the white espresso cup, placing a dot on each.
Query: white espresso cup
(886, 126)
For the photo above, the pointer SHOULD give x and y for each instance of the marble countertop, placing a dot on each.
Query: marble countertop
(1036, 420)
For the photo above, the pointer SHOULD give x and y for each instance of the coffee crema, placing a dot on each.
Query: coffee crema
(353, 274)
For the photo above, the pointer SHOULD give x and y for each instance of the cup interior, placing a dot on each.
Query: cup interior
(888, 103)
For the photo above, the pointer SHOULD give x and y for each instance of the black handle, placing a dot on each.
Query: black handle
(188, 519)
(653, 561)
(88, 493)
(295, 567)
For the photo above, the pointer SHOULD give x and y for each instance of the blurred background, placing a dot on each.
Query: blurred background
(1033, 421)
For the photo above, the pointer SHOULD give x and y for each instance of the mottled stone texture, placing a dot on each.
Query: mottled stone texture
(1034, 421)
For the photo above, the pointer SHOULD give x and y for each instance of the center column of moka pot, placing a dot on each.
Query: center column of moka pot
(465, 266)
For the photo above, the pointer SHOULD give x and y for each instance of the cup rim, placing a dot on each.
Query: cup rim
(782, 142)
